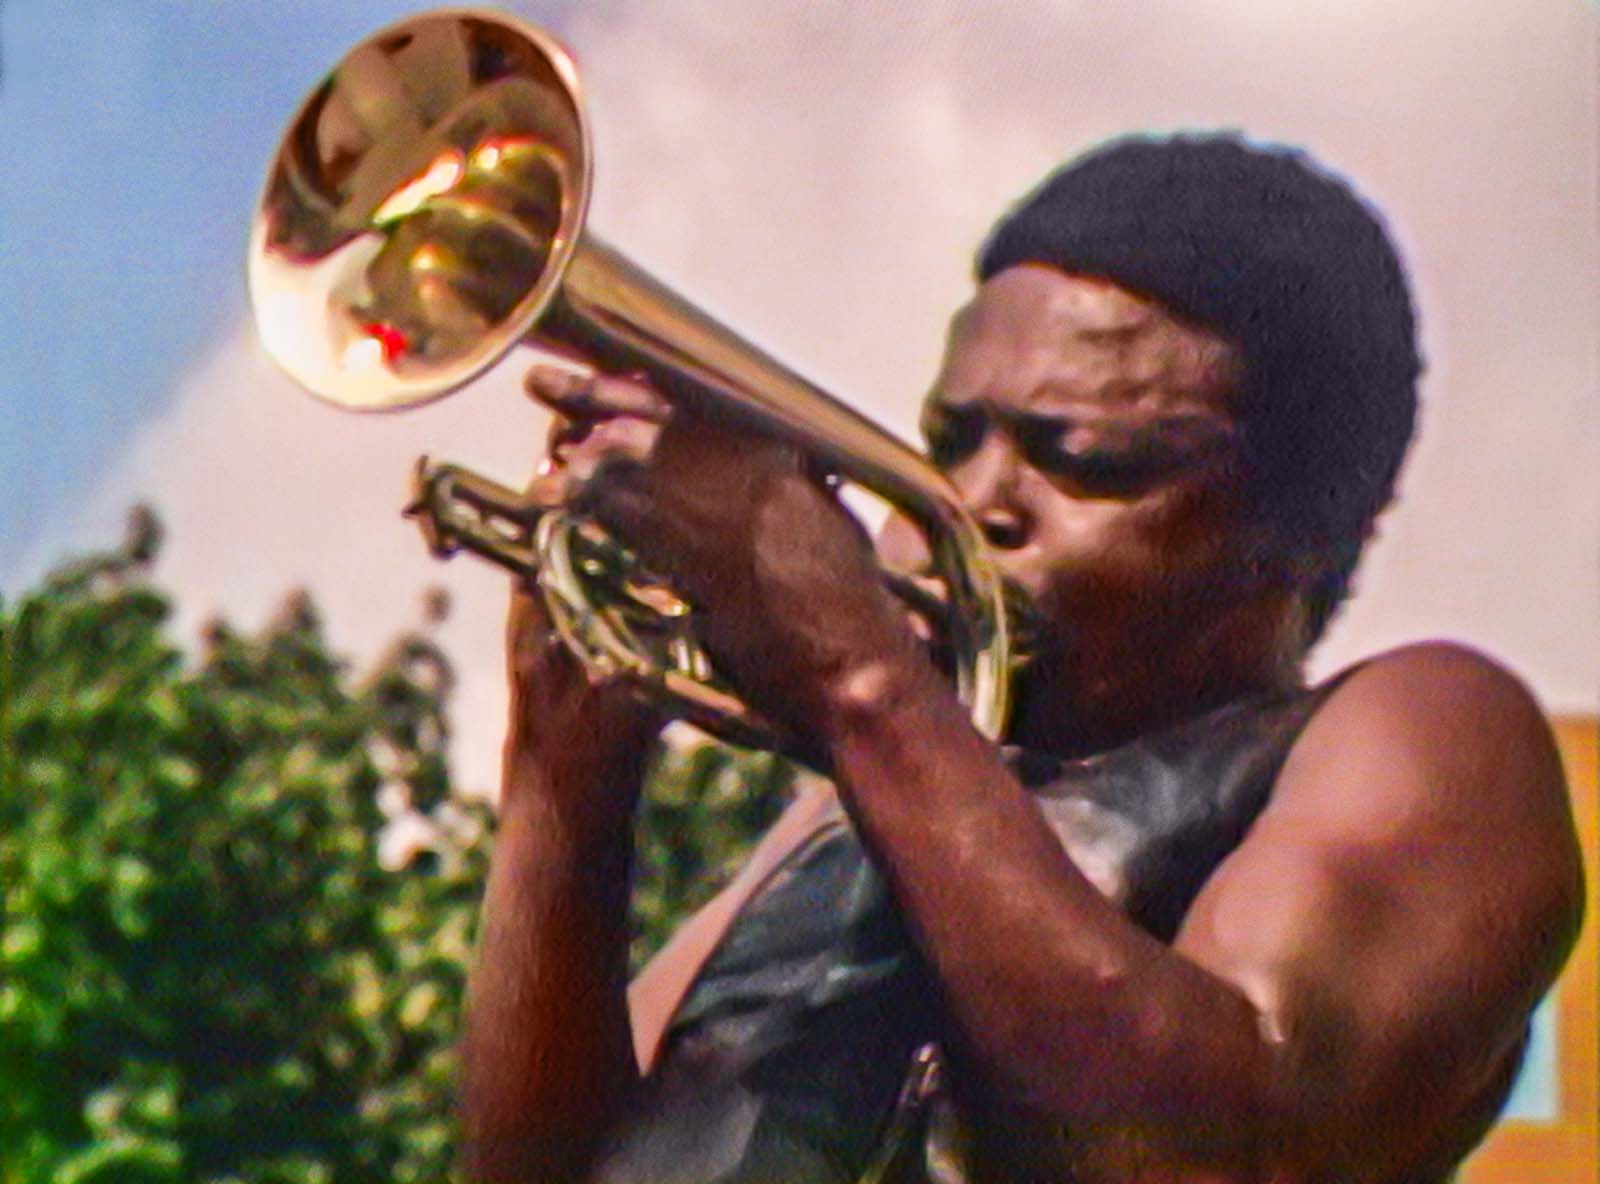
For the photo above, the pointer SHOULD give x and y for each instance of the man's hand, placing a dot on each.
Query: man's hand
(561, 716)
(788, 597)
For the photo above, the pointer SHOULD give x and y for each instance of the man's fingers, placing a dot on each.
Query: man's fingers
(580, 392)
(580, 452)
(618, 495)
(577, 451)
(598, 469)
(549, 487)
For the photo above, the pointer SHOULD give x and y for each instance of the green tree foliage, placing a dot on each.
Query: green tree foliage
(207, 972)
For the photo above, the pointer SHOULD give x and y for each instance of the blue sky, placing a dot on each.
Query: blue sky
(136, 135)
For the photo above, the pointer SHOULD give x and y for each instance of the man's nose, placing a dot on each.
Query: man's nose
(987, 482)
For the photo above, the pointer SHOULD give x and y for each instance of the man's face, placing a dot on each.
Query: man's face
(1091, 435)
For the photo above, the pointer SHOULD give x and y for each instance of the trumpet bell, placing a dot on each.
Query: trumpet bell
(421, 211)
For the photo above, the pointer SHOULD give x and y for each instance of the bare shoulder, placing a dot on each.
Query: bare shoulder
(1444, 682)
(1433, 732)
(1421, 826)
(1438, 749)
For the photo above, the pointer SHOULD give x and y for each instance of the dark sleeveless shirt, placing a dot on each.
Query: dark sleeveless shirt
(784, 1062)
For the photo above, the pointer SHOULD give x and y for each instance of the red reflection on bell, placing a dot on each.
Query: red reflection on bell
(392, 340)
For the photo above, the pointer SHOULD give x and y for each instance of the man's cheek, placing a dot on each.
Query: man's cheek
(1099, 576)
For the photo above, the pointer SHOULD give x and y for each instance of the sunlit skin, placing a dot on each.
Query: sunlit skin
(1348, 988)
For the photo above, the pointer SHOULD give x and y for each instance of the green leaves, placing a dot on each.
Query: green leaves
(207, 972)
(207, 975)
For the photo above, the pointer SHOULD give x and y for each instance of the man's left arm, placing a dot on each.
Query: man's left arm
(1346, 986)
(1380, 934)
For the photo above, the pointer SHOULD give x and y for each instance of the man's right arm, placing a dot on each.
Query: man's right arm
(551, 1062)
(547, 1058)
(554, 1045)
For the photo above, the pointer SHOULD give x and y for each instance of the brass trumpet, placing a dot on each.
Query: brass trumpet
(423, 213)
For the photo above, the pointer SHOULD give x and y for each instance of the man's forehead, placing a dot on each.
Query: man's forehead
(1033, 334)
(1033, 297)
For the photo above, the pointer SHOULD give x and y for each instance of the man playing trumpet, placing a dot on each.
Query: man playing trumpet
(1194, 921)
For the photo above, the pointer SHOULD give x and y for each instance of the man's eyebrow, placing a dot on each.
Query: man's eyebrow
(941, 397)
